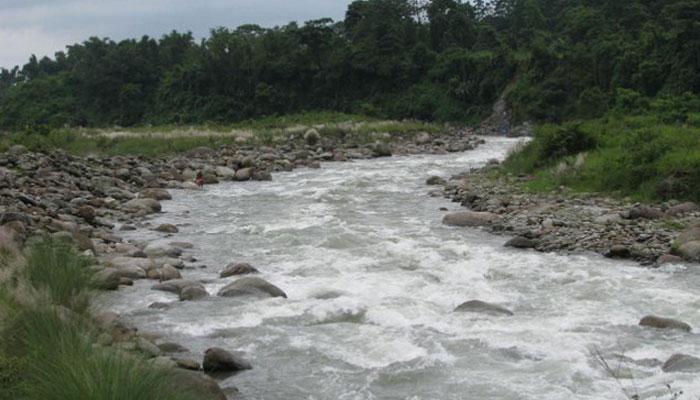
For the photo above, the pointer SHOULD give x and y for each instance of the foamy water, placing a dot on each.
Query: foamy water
(373, 276)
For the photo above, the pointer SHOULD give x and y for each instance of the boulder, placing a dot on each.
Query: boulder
(107, 279)
(664, 323)
(682, 208)
(238, 269)
(204, 387)
(251, 286)
(147, 347)
(422, 138)
(155, 194)
(521, 242)
(481, 307)
(168, 273)
(681, 363)
(187, 363)
(126, 262)
(470, 218)
(86, 212)
(194, 292)
(167, 228)
(226, 172)
(618, 251)
(689, 235)
(381, 150)
(645, 212)
(435, 180)
(171, 347)
(143, 205)
(162, 249)
(176, 285)
(690, 251)
(244, 174)
(217, 359)
(668, 259)
(262, 175)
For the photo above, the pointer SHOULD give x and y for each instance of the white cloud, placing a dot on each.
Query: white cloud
(43, 27)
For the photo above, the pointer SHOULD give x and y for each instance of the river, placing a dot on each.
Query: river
(373, 277)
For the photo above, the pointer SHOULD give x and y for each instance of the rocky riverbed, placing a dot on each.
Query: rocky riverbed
(652, 234)
(94, 200)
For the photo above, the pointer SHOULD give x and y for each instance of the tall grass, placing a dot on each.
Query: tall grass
(48, 352)
(57, 267)
(63, 363)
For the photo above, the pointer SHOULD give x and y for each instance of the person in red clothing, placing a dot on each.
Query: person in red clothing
(199, 180)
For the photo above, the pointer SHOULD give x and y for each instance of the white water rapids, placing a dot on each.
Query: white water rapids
(373, 277)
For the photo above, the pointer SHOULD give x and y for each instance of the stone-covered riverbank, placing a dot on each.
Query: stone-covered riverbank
(572, 222)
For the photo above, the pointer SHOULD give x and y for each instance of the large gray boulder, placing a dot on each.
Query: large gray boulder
(162, 249)
(664, 323)
(238, 269)
(244, 174)
(681, 363)
(521, 242)
(482, 307)
(219, 360)
(251, 286)
(470, 218)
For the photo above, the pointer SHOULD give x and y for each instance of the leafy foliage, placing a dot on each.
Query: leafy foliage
(445, 60)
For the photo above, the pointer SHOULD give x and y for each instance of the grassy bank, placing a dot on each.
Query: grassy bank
(648, 156)
(48, 346)
(162, 140)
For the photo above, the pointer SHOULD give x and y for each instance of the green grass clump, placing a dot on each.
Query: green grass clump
(56, 266)
(48, 349)
(62, 362)
(641, 156)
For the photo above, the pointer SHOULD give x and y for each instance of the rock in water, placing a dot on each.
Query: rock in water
(238, 269)
(194, 292)
(219, 360)
(521, 242)
(251, 286)
(470, 218)
(167, 228)
(435, 180)
(681, 363)
(481, 307)
(664, 323)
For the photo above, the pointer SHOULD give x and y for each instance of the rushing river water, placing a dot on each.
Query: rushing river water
(373, 277)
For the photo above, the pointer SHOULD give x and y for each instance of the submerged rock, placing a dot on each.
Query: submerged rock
(681, 363)
(194, 292)
(435, 180)
(251, 286)
(481, 307)
(219, 360)
(470, 218)
(664, 323)
(194, 382)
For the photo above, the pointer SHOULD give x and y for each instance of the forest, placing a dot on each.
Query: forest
(439, 60)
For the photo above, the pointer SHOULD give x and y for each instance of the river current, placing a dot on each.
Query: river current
(373, 278)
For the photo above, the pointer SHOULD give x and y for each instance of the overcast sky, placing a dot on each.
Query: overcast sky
(43, 27)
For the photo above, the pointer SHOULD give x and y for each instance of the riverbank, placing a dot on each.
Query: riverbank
(571, 222)
(89, 200)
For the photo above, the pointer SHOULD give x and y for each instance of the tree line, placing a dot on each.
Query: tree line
(441, 60)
